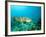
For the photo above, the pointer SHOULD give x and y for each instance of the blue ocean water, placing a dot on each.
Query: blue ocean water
(33, 12)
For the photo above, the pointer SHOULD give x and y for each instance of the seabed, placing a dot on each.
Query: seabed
(24, 24)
